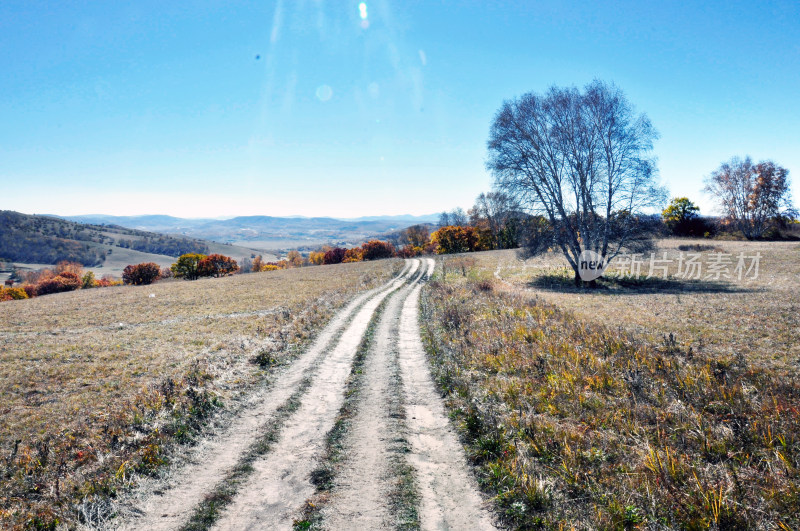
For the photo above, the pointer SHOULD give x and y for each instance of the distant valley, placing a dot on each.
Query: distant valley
(266, 232)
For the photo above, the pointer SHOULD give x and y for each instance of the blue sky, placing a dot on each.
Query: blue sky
(304, 107)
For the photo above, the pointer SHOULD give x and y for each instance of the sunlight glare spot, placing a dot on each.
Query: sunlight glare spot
(362, 10)
(324, 92)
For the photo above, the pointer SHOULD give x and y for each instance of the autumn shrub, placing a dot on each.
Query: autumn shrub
(107, 281)
(458, 239)
(34, 277)
(141, 274)
(30, 290)
(353, 255)
(88, 280)
(216, 265)
(316, 257)
(65, 281)
(65, 266)
(334, 256)
(187, 266)
(12, 294)
(376, 249)
(294, 259)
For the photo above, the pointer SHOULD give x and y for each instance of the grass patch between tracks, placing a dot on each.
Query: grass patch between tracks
(403, 497)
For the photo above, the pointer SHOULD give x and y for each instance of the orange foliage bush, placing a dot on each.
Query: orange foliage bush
(352, 255)
(458, 239)
(316, 257)
(66, 281)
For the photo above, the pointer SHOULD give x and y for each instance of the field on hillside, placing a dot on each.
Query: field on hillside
(646, 403)
(95, 384)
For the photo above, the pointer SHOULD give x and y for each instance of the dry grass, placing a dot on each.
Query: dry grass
(592, 418)
(759, 319)
(94, 384)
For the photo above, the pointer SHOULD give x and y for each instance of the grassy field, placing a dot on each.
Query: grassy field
(96, 384)
(646, 403)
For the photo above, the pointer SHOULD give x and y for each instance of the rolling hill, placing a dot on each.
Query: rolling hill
(266, 232)
(45, 240)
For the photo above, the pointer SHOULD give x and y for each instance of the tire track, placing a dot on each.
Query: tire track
(449, 497)
(174, 503)
(275, 493)
(371, 488)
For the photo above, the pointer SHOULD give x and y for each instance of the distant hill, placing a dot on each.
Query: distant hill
(36, 239)
(267, 232)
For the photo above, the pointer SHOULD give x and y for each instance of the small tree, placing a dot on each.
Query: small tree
(186, 266)
(455, 239)
(216, 265)
(294, 258)
(416, 236)
(681, 217)
(353, 255)
(501, 215)
(751, 195)
(376, 249)
(141, 274)
(88, 280)
(334, 256)
(316, 257)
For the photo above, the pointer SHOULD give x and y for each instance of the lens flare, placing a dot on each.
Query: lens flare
(362, 10)
(324, 92)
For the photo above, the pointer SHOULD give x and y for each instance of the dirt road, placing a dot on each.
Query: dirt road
(394, 463)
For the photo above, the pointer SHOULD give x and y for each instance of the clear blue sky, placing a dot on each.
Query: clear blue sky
(304, 107)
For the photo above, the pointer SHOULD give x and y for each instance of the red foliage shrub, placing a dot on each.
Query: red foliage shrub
(217, 265)
(334, 256)
(409, 251)
(376, 249)
(30, 289)
(141, 274)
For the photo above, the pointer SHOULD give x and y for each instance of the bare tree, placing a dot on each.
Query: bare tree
(501, 214)
(582, 160)
(456, 217)
(751, 195)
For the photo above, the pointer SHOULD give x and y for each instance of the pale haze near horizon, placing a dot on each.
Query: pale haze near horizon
(337, 109)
